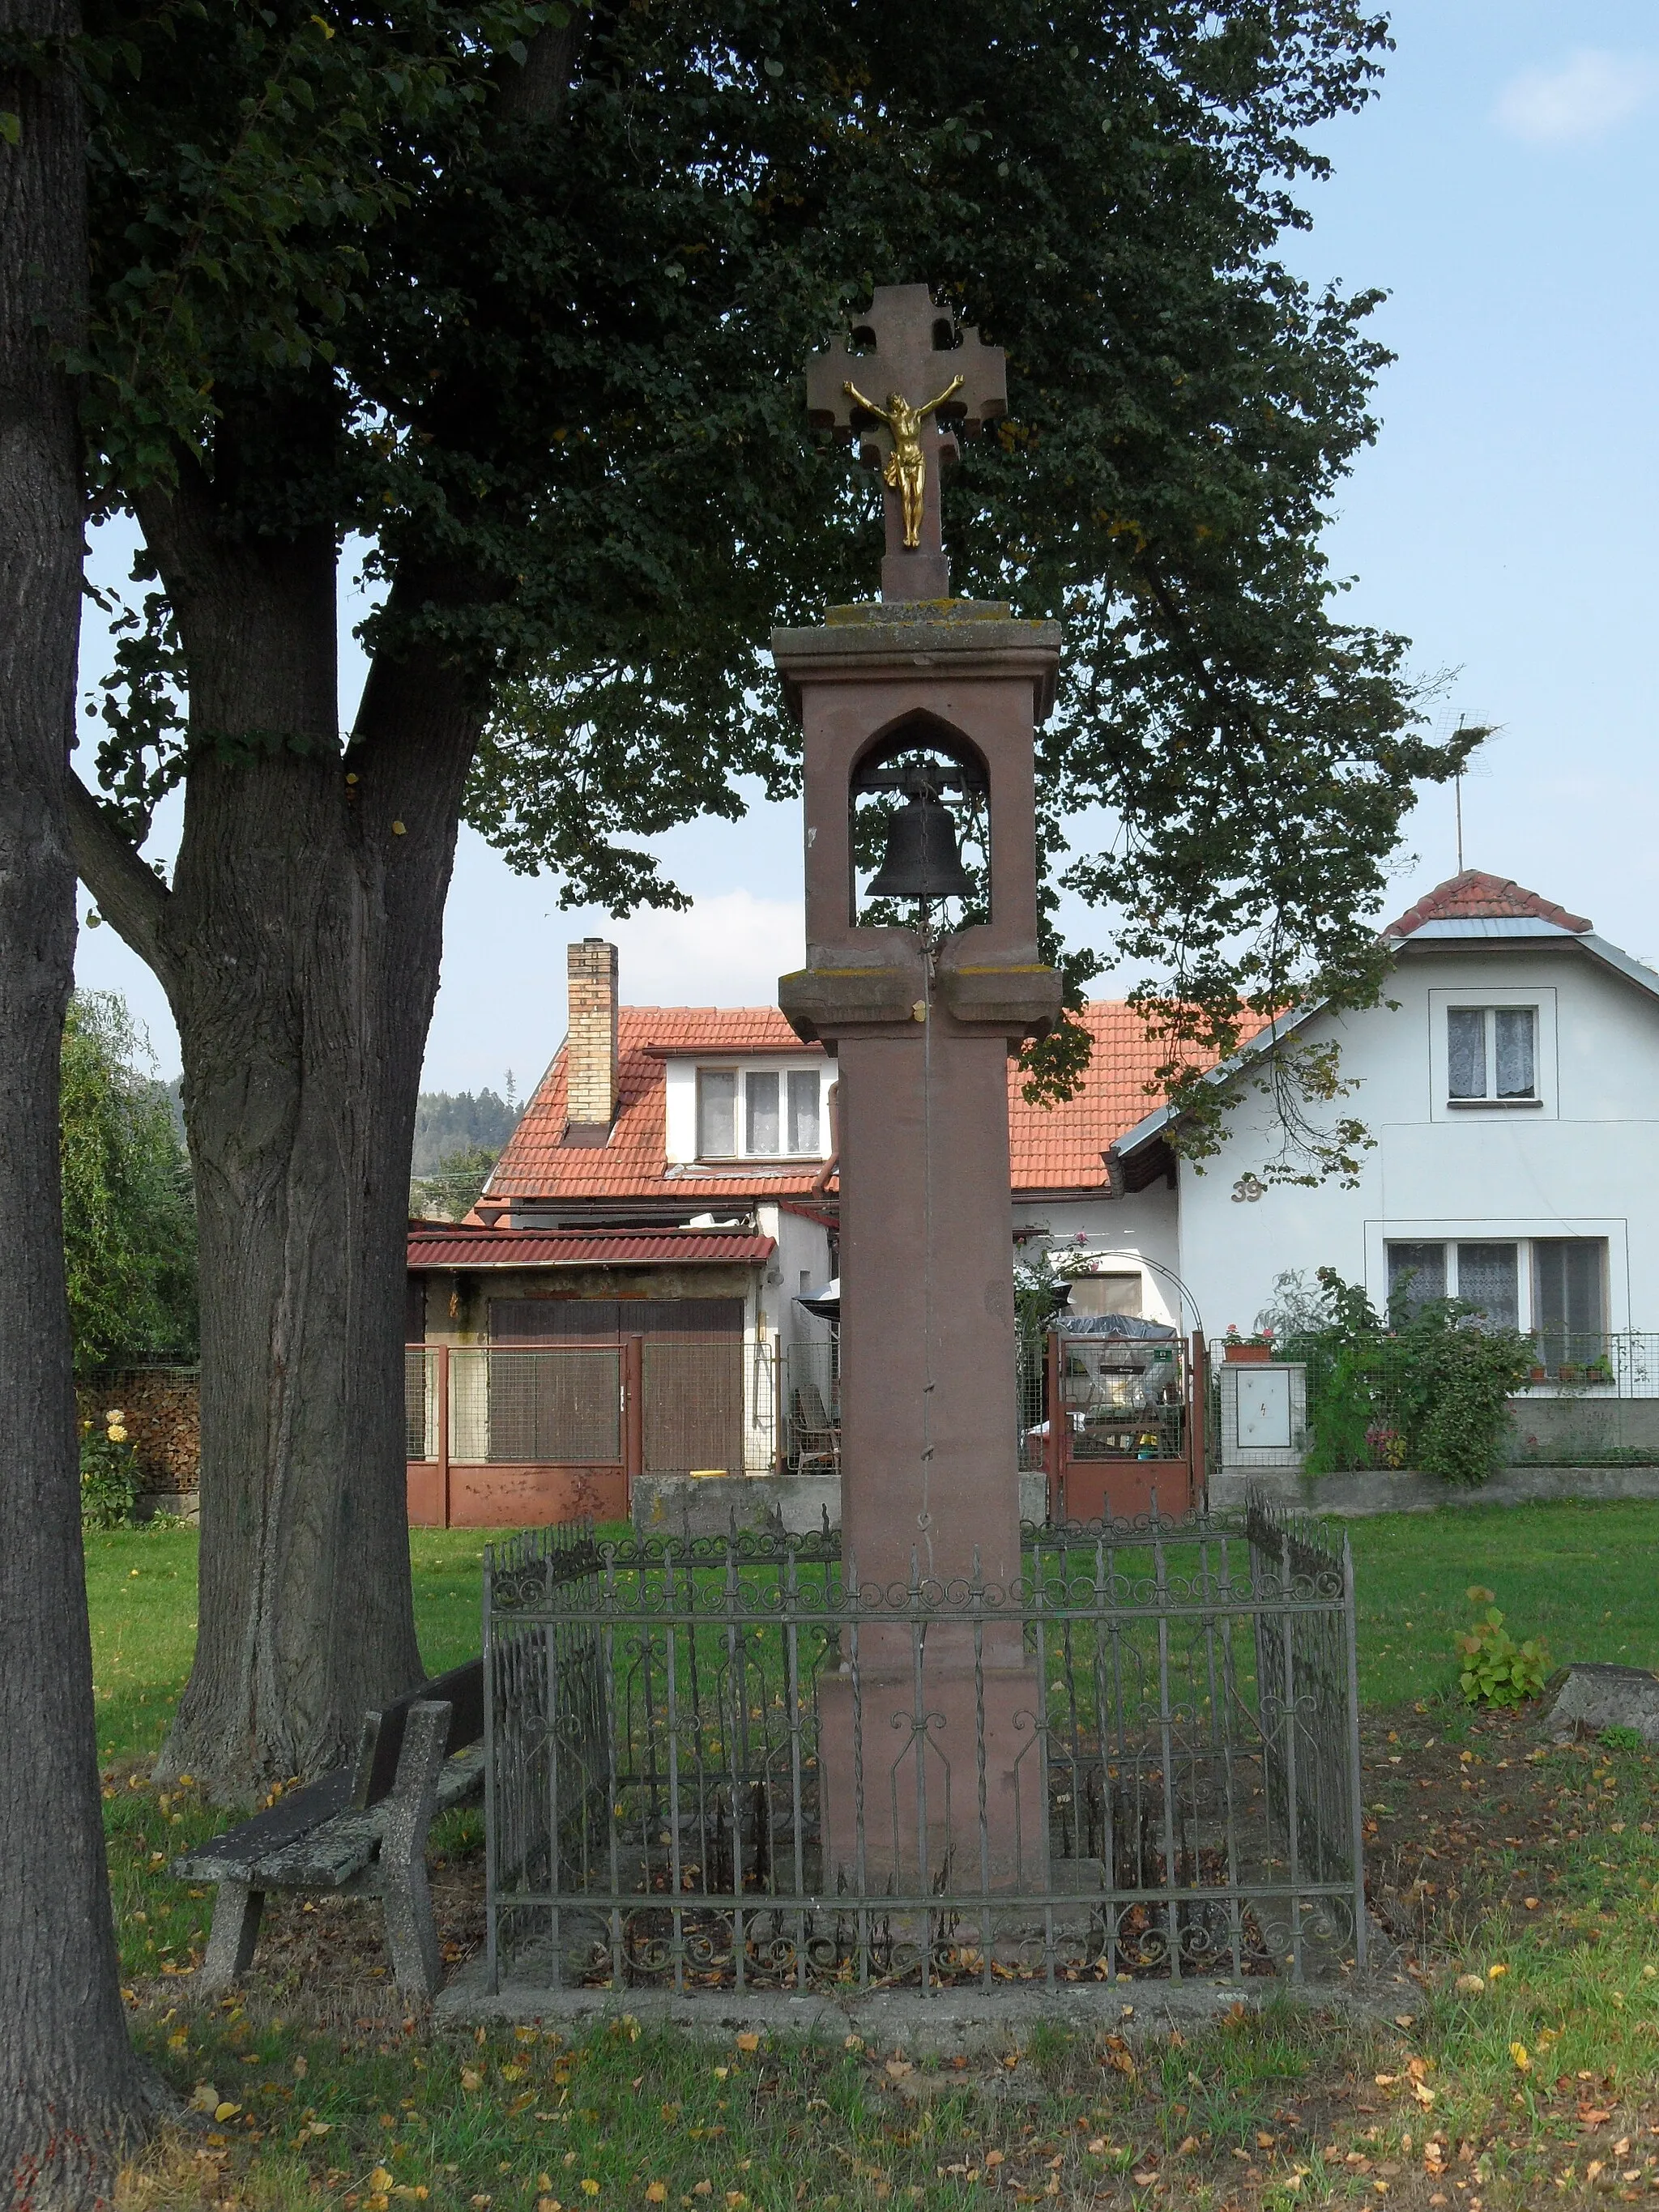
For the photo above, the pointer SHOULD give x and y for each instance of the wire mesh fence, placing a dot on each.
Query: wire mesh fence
(731, 1764)
(1585, 1397)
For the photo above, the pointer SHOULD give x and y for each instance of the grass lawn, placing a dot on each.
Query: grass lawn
(1534, 1868)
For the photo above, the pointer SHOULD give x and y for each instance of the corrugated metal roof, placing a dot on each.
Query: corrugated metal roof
(465, 1247)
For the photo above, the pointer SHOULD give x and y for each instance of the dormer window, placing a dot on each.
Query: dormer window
(759, 1113)
(1492, 1055)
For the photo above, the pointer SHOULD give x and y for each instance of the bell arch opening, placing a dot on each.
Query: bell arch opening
(919, 828)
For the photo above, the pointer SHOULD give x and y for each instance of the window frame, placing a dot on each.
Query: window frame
(780, 1066)
(1451, 1237)
(1490, 999)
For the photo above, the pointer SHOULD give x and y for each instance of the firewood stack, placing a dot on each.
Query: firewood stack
(162, 1410)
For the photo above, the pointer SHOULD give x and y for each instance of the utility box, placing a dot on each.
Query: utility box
(1264, 1418)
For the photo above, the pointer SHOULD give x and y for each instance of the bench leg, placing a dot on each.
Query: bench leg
(411, 1933)
(236, 1915)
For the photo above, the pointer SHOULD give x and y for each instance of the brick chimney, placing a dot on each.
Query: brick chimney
(591, 1080)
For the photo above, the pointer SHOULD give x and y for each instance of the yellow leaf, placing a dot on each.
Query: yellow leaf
(702, 2188)
(226, 2109)
(589, 2187)
(1188, 2143)
(657, 2193)
(994, 2158)
(1521, 2055)
(735, 2199)
(1493, 1973)
(380, 2178)
(470, 2080)
(513, 2073)
(720, 2072)
(1422, 2093)
(549, 2204)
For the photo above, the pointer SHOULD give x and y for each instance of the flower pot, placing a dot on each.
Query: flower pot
(1248, 1355)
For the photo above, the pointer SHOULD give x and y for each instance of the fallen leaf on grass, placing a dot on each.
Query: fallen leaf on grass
(380, 2179)
(657, 2193)
(1188, 2143)
(470, 2080)
(226, 2110)
(749, 2043)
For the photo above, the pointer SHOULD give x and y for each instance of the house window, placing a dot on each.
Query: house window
(803, 1112)
(1488, 1277)
(1568, 1303)
(1491, 1054)
(1417, 1273)
(758, 1112)
(717, 1113)
(1552, 1286)
(1106, 1294)
(760, 1097)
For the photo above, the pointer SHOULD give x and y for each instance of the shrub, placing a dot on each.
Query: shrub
(109, 1473)
(1496, 1669)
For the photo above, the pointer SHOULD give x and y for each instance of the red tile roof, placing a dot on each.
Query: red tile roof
(464, 1246)
(1474, 897)
(1055, 1148)
(537, 1163)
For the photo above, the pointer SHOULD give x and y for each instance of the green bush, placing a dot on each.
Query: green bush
(1496, 1669)
(1428, 1389)
(109, 1474)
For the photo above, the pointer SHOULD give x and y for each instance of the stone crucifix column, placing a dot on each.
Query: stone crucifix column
(923, 1020)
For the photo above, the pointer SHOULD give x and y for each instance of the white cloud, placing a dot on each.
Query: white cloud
(726, 950)
(1583, 98)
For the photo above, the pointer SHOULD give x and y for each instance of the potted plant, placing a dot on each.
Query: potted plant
(1247, 1351)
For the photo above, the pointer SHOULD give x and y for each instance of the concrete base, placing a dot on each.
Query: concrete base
(1355, 1496)
(1597, 1696)
(797, 1502)
(704, 1505)
(947, 2022)
(179, 1504)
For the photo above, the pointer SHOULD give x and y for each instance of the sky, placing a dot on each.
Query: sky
(1501, 191)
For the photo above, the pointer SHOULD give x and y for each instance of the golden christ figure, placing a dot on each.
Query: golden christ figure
(905, 469)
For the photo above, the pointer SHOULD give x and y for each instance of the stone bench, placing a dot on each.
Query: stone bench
(359, 1831)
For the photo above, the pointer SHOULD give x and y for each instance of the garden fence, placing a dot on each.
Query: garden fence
(731, 1764)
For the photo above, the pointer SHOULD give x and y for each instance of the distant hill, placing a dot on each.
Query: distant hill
(446, 1122)
(451, 1122)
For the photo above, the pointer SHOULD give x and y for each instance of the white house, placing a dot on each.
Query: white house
(1510, 1087)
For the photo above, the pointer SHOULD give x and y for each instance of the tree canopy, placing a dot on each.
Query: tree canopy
(128, 1222)
(339, 274)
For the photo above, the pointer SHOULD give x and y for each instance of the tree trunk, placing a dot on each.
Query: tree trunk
(299, 947)
(71, 2091)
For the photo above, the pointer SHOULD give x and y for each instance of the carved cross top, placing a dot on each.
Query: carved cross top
(911, 378)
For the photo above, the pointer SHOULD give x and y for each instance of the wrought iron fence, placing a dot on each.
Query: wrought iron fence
(731, 1764)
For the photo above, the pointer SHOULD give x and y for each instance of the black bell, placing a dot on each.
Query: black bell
(922, 861)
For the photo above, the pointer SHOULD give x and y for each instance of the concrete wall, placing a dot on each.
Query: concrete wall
(1356, 1497)
(1579, 1165)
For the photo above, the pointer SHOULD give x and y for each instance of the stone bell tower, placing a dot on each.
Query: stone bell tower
(936, 698)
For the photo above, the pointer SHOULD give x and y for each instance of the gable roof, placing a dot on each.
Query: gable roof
(1057, 1148)
(1476, 897)
(1060, 1147)
(635, 1164)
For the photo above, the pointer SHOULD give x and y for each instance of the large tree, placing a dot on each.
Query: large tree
(520, 295)
(71, 2091)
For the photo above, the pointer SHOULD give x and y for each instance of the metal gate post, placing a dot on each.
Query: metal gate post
(1059, 1428)
(633, 1350)
(442, 1418)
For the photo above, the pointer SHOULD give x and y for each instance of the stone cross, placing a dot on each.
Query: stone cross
(907, 350)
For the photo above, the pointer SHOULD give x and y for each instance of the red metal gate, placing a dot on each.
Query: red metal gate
(1126, 1432)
